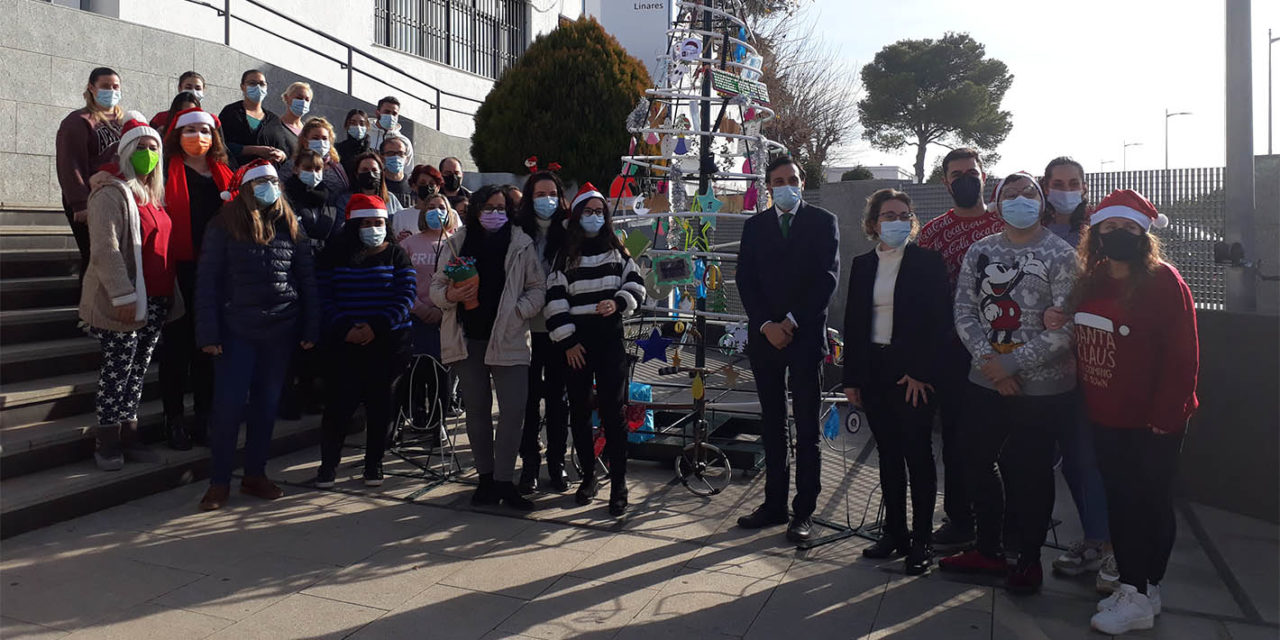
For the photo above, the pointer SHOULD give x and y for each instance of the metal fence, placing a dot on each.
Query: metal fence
(483, 37)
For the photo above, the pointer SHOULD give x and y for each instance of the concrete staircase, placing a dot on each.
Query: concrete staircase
(48, 378)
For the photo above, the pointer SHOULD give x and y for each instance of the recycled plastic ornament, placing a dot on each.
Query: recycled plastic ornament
(655, 346)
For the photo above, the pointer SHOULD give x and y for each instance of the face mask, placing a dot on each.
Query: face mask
(395, 164)
(108, 98)
(1120, 245)
(786, 198)
(1021, 212)
(256, 92)
(266, 193)
(300, 107)
(1065, 201)
(493, 220)
(196, 143)
(592, 224)
(435, 218)
(387, 121)
(319, 146)
(426, 191)
(368, 180)
(452, 182)
(357, 132)
(546, 206)
(311, 178)
(966, 190)
(372, 236)
(144, 161)
(895, 232)
(199, 94)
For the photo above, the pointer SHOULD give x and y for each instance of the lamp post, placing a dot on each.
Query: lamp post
(1125, 166)
(1103, 165)
(1270, 110)
(1167, 181)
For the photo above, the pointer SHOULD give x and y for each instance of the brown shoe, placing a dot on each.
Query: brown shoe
(260, 487)
(215, 497)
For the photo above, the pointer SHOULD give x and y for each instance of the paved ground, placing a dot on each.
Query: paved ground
(413, 561)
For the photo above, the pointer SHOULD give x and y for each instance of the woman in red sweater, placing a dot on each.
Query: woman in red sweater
(1137, 357)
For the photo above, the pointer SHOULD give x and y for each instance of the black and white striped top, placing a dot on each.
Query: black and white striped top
(573, 293)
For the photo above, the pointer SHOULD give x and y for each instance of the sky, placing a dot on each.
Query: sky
(1089, 75)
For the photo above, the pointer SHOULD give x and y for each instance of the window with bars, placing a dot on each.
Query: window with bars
(483, 37)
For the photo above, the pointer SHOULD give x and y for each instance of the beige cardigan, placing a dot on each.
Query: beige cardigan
(522, 299)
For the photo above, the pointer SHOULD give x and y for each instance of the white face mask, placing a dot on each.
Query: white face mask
(1065, 201)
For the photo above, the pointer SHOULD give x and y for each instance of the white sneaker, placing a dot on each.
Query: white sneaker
(1132, 610)
(1108, 579)
(1153, 595)
(1085, 556)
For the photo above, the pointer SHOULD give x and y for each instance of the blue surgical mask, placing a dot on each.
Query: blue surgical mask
(786, 198)
(256, 92)
(592, 224)
(395, 164)
(108, 98)
(357, 132)
(319, 146)
(435, 218)
(267, 193)
(1065, 201)
(1020, 212)
(300, 107)
(372, 236)
(387, 121)
(895, 232)
(546, 206)
(311, 178)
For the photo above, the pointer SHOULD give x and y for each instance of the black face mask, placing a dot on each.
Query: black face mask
(1120, 245)
(368, 180)
(966, 190)
(426, 191)
(452, 182)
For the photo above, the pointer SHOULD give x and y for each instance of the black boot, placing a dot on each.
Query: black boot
(888, 546)
(587, 490)
(106, 448)
(559, 480)
(528, 477)
(510, 495)
(618, 499)
(919, 558)
(132, 445)
(179, 438)
(485, 493)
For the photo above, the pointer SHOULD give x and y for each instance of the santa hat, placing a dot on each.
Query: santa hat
(195, 115)
(135, 126)
(587, 192)
(1014, 176)
(1130, 205)
(365, 206)
(247, 173)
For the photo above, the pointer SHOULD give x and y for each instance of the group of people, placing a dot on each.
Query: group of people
(258, 250)
(1036, 326)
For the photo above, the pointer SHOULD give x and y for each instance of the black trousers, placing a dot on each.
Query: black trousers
(1026, 429)
(953, 364)
(1138, 467)
(181, 361)
(606, 364)
(770, 368)
(359, 375)
(547, 368)
(80, 231)
(904, 438)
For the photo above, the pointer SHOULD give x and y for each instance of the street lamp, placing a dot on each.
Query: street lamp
(1270, 109)
(1125, 166)
(1104, 164)
(1168, 183)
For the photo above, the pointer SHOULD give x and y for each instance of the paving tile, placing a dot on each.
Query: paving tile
(701, 604)
(1251, 550)
(245, 586)
(906, 595)
(1241, 631)
(301, 616)
(1171, 626)
(578, 608)
(639, 562)
(466, 535)
(152, 621)
(388, 578)
(820, 601)
(13, 628)
(515, 571)
(562, 537)
(1043, 617)
(938, 622)
(442, 612)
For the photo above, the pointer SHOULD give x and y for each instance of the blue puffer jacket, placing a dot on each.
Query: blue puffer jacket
(254, 290)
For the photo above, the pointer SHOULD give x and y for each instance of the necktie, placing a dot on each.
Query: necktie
(786, 224)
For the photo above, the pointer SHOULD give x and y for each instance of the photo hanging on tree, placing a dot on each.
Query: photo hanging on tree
(674, 270)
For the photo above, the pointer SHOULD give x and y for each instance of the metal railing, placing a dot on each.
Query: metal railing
(349, 63)
(483, 37)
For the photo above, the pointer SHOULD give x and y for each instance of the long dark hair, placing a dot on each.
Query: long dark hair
(471, 217)
(528, 219)
(1079, 218)
(248, 221)
(176, 105)
(382, 173)
(575, 237)
(1093, 265)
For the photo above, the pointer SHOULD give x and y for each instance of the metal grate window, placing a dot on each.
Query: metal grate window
(483, 37)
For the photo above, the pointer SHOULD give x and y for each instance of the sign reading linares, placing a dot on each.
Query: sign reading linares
(639, 6)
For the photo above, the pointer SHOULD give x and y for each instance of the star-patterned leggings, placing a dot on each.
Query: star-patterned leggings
(125, 358)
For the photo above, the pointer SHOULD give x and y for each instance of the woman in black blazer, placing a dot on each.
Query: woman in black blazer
(896, 318)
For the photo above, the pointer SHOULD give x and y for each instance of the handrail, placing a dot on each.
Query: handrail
(349, 64)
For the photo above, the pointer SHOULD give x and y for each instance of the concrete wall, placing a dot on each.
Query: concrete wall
(1267, 229)
(847, 201)
(45, 59)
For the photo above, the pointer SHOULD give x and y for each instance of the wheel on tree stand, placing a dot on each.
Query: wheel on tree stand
(703, 469)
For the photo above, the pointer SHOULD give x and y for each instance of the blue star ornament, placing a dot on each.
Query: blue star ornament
(708, 202)
(655, 347)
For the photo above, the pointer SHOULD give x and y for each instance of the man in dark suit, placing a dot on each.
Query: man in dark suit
(788, 265)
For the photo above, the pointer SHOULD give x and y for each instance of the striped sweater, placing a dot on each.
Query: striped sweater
(378, 289)
(603, 273)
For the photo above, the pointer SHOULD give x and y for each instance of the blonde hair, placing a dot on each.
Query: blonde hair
(99, 112)
(148, 189)
(297, 85)
(451, 218)
(315, 123)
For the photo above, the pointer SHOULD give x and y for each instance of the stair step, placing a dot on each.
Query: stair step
(32, 263)
(34, 360)
(27, 215)
(37, 236)
(29, 448)
(77, 488)
(47, 399)
(33, 293)
(34, 325)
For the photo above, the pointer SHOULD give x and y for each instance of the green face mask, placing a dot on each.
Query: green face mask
(144, 161)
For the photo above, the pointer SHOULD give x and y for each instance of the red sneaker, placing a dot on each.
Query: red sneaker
(1025, 579)
(973, 561)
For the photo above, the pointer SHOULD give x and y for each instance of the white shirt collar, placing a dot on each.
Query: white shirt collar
(778, 210)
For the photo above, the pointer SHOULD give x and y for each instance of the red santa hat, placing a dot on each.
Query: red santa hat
(195, 115)
(587, 192)
(259, 168)
(365, 206)
(135, 126)
(1130, 205)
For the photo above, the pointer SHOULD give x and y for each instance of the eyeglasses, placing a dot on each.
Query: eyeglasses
(267, 180)
(889, 216)
(493, 210)
(593, 212)
(395, 154)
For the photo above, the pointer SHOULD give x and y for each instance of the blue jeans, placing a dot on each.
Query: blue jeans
(251, 369)
(1080, 469)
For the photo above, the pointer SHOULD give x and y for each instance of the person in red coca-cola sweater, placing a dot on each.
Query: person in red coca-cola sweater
(1137, 360)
